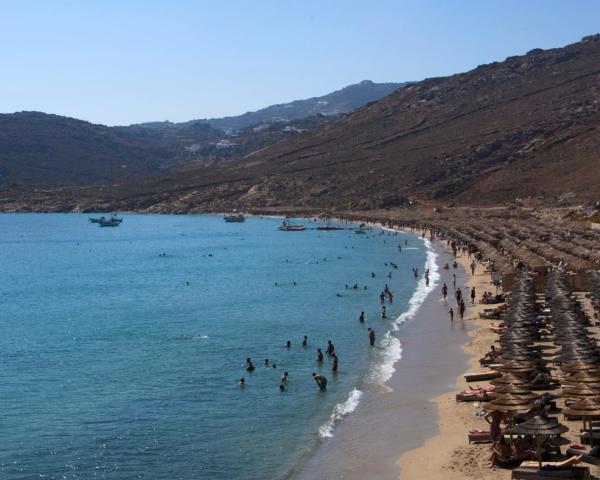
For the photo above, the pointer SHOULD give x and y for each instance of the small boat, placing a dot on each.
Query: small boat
(288, 227)
(97, 220)
(234, 218)
(114, 218)
(328, 228)
(109, 223)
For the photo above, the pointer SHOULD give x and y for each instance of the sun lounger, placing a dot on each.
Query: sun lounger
(480, 436)
(547, 473)
(466, 397)
(476, 377)
(584, 437)
(588, 455)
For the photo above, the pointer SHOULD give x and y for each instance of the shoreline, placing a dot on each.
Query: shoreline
(367, 442)
(452, 452)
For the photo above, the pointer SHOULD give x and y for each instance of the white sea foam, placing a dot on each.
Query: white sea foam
(390, 346)
(339, 412)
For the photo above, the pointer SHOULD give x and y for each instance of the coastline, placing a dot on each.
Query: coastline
(454, 458)
(397, 415)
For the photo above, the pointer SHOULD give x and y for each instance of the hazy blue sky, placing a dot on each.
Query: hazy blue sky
(119, 62)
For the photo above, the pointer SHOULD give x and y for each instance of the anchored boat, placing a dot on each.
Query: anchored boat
(288, 227)
(234, 218)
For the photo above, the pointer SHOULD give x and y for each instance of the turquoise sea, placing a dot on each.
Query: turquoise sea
(121, 348)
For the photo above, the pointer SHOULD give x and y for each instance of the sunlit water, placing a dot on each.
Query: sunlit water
(121, 348)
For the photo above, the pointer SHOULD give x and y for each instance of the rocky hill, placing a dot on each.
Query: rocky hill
(335, 103)
(36, 148)
(525, 128)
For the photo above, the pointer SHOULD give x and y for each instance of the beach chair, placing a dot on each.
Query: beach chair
(588, 455)
(480, 436)
(533, 472)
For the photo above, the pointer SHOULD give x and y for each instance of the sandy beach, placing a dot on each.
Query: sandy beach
(448, 455)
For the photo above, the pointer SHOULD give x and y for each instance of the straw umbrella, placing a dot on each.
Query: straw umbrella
(587, 409)
(508, 378)
(540, 429)
(509, 405)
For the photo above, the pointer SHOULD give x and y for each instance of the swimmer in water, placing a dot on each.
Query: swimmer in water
(281, 387)
(321, 381)
(284, 378)
(288, 344)
(274, 365)
(266, 362)
(242, 381)
(305, 341)
(249, 365)
(319, 355)
(371, 336)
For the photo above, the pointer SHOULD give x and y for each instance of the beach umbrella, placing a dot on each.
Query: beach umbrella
(586, 409)
(520, 393)
(540, 429)
(508, 378)
(509, 403)
(582, 377)
(578, 365)
(579, 390)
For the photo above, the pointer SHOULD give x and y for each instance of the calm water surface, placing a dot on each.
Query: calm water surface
(121, 349)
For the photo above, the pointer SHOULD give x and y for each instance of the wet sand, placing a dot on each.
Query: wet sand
(401, 416)
(448, 455)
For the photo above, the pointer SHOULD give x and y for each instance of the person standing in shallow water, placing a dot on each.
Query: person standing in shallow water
(319, 355)
(305, 341)
(371, 336)
(451, 312)
(334, 367)
(321, 381)
(361, 317)
(330, 348)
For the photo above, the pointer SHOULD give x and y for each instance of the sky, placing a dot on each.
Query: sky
(127, 61)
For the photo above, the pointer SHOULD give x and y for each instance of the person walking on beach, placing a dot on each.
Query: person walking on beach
(451, 312)
(319, 355)
(454, 280)
(330, 348)
(458, 294)
(473, 265)
(361, 317)
(371, 336)
(473, 295)
(321, 380)
(461, 309)
(335, 363)
(445, 291)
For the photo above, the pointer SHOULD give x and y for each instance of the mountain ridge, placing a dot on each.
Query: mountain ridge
(39, 148)
(523, 128)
